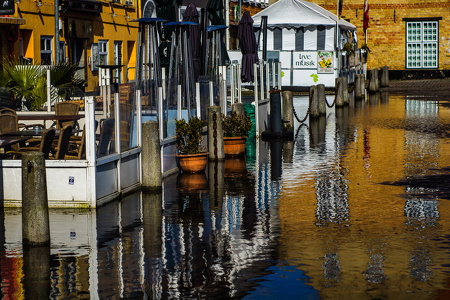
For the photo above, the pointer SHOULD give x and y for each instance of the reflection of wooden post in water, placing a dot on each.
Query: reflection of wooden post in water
(152, 224)
(276, 159)
(317, 131)
(36, 269)
(288, 151)
(35, 219)
(374, 98)
(216, 183)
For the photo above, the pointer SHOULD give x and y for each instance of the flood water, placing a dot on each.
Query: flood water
(356, 207)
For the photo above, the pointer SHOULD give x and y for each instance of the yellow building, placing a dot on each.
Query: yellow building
(86, 32)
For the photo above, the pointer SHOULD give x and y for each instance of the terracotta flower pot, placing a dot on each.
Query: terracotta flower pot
(193, 181)
(235, 165)
(234, 146)
(192, 163)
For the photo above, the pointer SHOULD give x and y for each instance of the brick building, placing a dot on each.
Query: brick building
(412, 37)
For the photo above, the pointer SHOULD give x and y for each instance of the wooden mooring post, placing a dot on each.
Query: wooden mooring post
(215, 133)
(151, 156)
(35, 217)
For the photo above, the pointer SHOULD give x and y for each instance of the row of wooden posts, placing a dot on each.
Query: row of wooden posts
(372, 84)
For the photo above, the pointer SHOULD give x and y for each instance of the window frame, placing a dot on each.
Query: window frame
(46, 40)
(422, 43)
(103, 52)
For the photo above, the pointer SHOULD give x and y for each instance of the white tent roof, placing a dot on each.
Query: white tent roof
(298, 13)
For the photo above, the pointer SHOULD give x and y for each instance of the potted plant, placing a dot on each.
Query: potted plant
(190, 156)
(235, 128)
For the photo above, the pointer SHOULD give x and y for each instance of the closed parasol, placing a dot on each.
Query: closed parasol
(248, 46)
(193, 35)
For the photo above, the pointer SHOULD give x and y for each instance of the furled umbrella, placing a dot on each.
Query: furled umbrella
(193, 34)
(248, 46)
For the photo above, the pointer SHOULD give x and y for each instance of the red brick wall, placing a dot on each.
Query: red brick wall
(386, 33)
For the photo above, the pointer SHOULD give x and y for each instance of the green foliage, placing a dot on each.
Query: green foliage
(29, 82)
(189, 135)
(315, 77)
(349, 48)
(236, 125)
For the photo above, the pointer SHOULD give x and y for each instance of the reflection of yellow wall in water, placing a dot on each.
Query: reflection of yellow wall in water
(376, 243)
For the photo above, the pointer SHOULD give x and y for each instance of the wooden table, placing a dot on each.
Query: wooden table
(7, 141)
(28, 132)
(47, 117)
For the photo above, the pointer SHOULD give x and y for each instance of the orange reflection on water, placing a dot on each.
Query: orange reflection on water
(353, 236)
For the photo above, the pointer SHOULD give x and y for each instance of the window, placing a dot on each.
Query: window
(422, 44)
(103, 52)
(117, 59)
(46, 50)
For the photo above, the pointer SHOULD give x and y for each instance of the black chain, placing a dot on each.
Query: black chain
(307, 113)
(335, 95)
(310, 100)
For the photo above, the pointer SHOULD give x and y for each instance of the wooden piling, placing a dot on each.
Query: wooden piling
(384, 76)
(373, 81)
(151, 156)
(345, 90)
(287, 110)
(339, 92)
(215, 134)
(359, 86)
(313, 102)
(35, 218)
(321, 98)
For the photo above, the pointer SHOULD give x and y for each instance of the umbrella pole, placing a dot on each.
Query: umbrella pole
(139, 58)
(172, 66)
(186, 71)
(204, 49)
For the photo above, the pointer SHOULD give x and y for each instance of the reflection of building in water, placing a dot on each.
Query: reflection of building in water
(376, 253)
(422, 156)
(331, 192)
(374, 272)
(210, 252)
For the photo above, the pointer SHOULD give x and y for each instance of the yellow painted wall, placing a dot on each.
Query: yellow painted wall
(113, 24)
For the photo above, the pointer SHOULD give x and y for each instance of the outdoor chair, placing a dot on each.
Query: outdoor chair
(77, 145)
(63, 143)
(106, 131)
(44, 146)
(5, 111)
(125, 115)
(9, 111)
(66, 108)
(8, 123)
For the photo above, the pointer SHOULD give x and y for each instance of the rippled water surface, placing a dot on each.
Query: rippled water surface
(356, 207)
